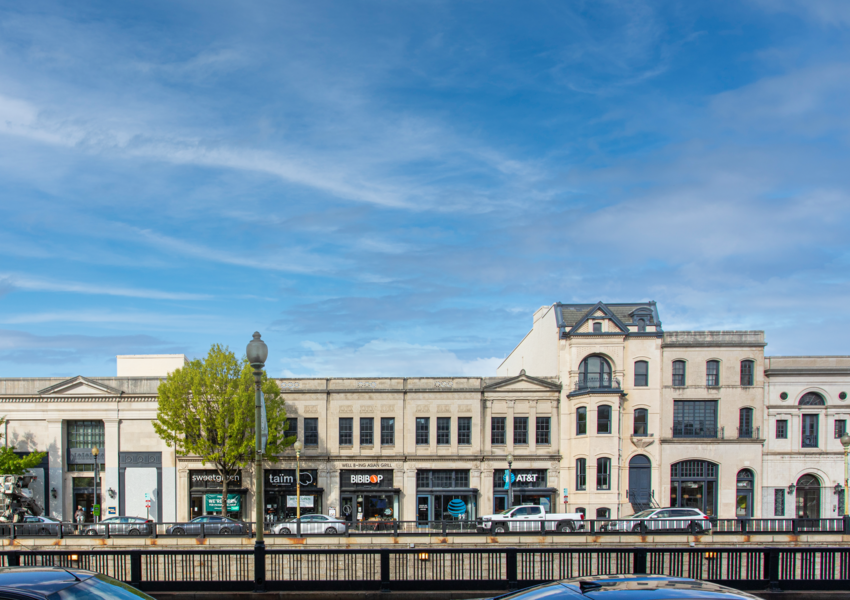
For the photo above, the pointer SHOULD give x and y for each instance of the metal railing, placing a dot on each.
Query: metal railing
(696, 430)
(749, 432)
(554, 527)
(484, 570)
(597, 381)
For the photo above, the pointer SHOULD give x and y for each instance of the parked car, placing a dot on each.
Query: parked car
(528, 518)
(312, 524)
(33, 526)
(692, 520)
(628, 587)
(42, 583)
(212, 525)
(120, 526)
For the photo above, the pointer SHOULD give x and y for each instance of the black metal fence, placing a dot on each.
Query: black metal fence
(621, 527)
(486, 570)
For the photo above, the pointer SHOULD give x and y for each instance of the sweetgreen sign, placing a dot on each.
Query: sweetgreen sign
(212, 503)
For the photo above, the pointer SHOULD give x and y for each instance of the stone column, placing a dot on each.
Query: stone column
(109, 457)
(56, 443)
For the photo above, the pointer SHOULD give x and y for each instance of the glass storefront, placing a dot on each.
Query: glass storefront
(205, 494)
(693, 484)
(282, 494)
(445, 495)
(528, 486)
(368, 497)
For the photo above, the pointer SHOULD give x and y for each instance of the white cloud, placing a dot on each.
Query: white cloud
(26, 283)
(385, 358)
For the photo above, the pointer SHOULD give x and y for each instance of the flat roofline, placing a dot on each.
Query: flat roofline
(810, 356)
(149, 355)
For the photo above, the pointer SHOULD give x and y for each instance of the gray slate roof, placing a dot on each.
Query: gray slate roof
(573, 313)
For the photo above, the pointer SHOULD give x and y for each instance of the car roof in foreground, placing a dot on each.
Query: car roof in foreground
(628, 587)
(44, 580)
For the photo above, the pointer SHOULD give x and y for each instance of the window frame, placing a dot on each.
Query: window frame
(603, 474)
(814, 440)
(388, 433)
(597, 327)
(498, 433)
(444, 431)
(843, 428)
(600, 410)
(520, 431)
(423, 431)
(292, 431)
(645, 375)
(581, 474)
(712, 379)
(464, 426)
(745, 430)
(348, 430)
(367, 433)
(581, 419)
(699, 425)
(645, 413)
(682, 377)
(539, 438)
(751, 376)
(783, 435)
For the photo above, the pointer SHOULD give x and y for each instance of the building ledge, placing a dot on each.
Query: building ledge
(702, 441)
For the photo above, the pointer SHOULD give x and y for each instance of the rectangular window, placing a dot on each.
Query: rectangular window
(712, 373)
(444, 431)
(581, 474)
(311, 432)
(747, 372)
(520, 430)
(85, 434)
(695, 418)
(423, 431)
(745, 423)
(581, 420)
(367, 431)
(603, 474)
(464, 431)
(810, 431)
(544, 429)
(346, 431)
(442, 479)
(840, 427)
(641, 373)
(292, 427)
(781, 429)
(678, 373)
(603, 419)
(497, 430)
(641, 424)
(387, 431)
(779, 502)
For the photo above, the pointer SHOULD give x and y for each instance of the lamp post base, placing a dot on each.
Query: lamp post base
(259, 566)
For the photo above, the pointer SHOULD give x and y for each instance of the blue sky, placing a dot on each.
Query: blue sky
(392, 188)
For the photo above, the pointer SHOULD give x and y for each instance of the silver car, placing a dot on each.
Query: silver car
(37, 526)
(311, 524)
(120, 526)
(690, 520)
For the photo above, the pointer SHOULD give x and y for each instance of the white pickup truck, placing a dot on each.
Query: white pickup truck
(528, 518)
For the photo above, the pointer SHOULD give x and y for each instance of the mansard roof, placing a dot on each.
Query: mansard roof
(571, 316)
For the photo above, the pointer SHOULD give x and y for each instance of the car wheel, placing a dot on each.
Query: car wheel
(178, 531)
(566, 527)
(330, 531)
(641, 529)
(696, 529)
(224, 531)
(499, 529)
(284, 531)
(135, 532)
(91, 532)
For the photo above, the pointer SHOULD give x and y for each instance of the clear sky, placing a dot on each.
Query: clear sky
(392, 188)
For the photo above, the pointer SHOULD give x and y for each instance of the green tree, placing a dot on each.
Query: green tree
(12, 464)
(206, 409)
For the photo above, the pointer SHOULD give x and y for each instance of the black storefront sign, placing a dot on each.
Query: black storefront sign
(211, 480)
(366, 479)
(522, 478)
(285, 478)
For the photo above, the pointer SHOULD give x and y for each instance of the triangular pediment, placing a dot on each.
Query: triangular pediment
(80, 386)
(523, 382)
(600, 310)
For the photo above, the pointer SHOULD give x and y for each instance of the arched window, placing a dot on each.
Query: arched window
(594, 372)
(744, 499)
(581, 510)
(678, 373)
(581, 474)
(581, 420)
(603, 419)
(603, 473)
(603, 513)
(597, 327)
(641, 373)
(712, 373)
(745, 423)
(641, 323)
(811, 399)
(748, 368)
(641, 424)
(808, 497)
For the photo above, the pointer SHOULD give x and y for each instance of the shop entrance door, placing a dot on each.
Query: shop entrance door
(423, 510)
(86, 500)
(500, 502)
(348, 508)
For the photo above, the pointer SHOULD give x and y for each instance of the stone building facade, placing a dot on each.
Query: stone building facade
(597, 410)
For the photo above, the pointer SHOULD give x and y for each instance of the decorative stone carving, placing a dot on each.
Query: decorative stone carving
(367, 408)
(346, 409)
(311, 409)
(423, 408)
(444, 408)
(387, 408)
(464, 408)
(642, 442)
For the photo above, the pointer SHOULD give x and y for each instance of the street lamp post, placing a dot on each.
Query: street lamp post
(845, 441)
(298, 446)
(510, 482)
(96, 508)
(258, 352)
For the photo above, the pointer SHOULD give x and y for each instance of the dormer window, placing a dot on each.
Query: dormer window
(641, 324)
(597, 327)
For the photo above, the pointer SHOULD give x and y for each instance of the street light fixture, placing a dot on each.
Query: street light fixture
(845, 441)
(257, 353)
(96, 508)
(298, 447)
(510, 482)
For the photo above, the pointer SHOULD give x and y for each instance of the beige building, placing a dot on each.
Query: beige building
(597, 410)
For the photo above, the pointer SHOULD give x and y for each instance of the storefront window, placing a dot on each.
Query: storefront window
(528, 486)
(369, 496)
(205, 493)
(281, 494)
(445, 495)
(693, 484)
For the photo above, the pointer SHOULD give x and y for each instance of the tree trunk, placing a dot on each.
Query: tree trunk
(224, 483)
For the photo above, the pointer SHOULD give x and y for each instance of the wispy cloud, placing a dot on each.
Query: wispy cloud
(16, 281)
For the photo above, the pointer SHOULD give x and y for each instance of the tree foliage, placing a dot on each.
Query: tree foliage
(206, 409)
(12, 464)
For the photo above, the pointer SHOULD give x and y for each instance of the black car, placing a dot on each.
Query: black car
(55, 583)
(628, 587)
(211, 524)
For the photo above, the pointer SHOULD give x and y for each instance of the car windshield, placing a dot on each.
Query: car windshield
(501, 512)
(642, 514)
